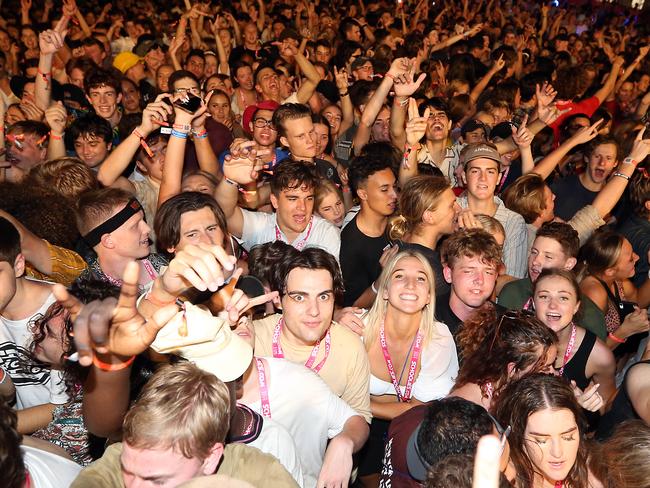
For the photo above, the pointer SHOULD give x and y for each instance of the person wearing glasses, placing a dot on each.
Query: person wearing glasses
(412, 356)
(547, 443)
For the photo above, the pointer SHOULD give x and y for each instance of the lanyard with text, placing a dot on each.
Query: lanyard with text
(264, 388)
(415, 356)
(277, 348)
(298, 245)
(569, 348)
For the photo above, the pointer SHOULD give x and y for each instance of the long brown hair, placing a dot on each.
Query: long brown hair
(523, 398)
(489, 344)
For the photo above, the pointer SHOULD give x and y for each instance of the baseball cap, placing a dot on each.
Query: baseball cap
(418, 467)
(251, 110)
(145, 45)
(208, 341)
(479, 150)
(125, 61)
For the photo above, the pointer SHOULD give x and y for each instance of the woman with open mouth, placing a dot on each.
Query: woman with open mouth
(582, 357)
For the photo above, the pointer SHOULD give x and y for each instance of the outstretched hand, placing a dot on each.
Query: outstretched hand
(113, 326)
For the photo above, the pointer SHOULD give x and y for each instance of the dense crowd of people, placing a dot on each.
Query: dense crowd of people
(324, 244)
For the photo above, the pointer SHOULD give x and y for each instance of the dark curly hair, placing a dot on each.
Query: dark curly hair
(490, 343)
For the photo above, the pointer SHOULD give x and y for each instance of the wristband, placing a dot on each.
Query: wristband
(232, 182)
(616, 339)
(159, 303)
(55, 137)
(199, 134)
(182, 127)
(143, 143)
(344, 94)
(180, 135)
(112, 367)
(622, 175)
(629, 161)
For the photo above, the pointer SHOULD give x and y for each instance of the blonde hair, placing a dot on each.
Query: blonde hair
(375, 316)
(69, 177)
(182, 407)
(491, 225)
(421, 193)
(324, 188)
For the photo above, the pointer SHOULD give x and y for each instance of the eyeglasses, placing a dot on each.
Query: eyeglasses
(510, 315)
(503, 433)
(194, 90)
(261, 123)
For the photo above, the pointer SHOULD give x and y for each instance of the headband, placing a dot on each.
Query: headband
(94, 237)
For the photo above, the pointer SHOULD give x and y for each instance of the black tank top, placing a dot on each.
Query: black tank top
(622, 409)
(576, 368)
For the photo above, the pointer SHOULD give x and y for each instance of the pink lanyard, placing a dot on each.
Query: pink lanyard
(148, 267)
(299, 245)
(264, 388)
(559, 484)
(569, 348)
(415, 356)
(277, 348)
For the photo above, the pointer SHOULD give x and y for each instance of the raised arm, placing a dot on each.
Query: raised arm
(546, 166)
(610, 83)
(56, 117)
(224, 67)
(415, 130)
(108, 334)
(347, 109)
(118, 160)
(240, 168)
(482, 84)
(50, 41)
(403, 89)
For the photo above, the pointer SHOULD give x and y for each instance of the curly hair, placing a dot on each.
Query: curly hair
(490, 344)
(531, 394)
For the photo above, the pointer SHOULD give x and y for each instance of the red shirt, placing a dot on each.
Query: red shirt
(587, 107)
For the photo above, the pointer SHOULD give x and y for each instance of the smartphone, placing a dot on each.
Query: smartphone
(190, 104)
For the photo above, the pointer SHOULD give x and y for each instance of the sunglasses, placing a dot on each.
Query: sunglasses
(503, 433)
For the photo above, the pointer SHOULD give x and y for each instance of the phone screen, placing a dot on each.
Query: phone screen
(190, 104)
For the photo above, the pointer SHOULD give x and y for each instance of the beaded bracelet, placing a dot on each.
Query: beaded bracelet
(200, 134)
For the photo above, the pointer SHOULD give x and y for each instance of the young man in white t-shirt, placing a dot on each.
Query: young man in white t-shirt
(38, 389)
(292, 196)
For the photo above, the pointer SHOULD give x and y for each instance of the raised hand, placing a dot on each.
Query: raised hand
(341, 78)
(416, 125)
(523, 136)
(405, 86)
(113, 326)
(243, 164)
(586, 134)
(641, 147)
(155, 114)
(56, 117)
(50, 41)
(589, 399)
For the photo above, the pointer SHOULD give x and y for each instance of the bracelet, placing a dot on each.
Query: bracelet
(182, 127)
(112, 367)
(150, 298)
(232, 182)
(622, 175)
(180, 135)
(202, 134)
(344, 94)
(55, 137)
(616, 339)
(143, 142)
(629, 161)
(374, 288)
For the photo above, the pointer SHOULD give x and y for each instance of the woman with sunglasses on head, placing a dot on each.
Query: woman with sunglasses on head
(499, 350)
(607, 262)
(412, 356)
(547, 442)
(582, 357)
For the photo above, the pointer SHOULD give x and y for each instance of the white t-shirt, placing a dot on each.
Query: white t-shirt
(438, 370)
(259, 228)
(35, 384)
(276, 441)
(47, 470)
(303, 403)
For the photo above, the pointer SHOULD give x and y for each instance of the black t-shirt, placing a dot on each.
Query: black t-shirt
(359, 258)
(571, 196)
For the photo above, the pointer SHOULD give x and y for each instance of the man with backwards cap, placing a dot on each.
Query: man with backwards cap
(482, 163)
